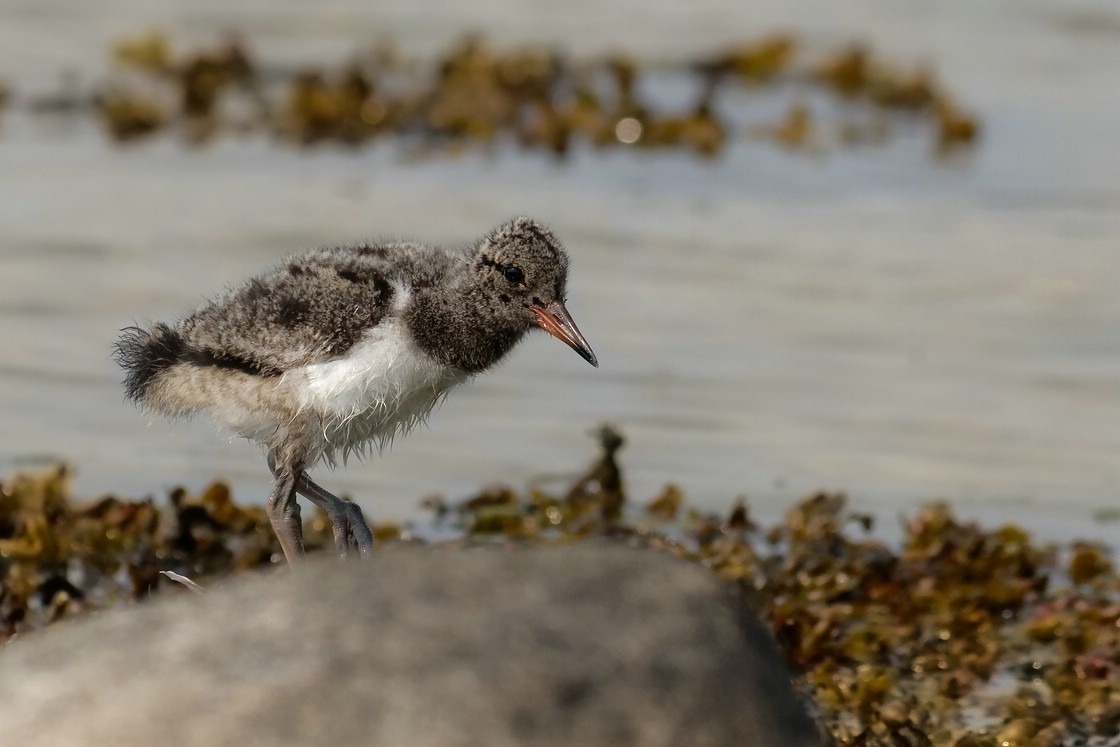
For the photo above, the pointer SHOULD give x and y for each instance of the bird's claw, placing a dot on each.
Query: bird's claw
(351, 532)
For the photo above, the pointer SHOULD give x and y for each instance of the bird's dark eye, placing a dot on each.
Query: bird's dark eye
(513, 274)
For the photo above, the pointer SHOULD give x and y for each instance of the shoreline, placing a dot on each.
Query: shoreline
(877, 633)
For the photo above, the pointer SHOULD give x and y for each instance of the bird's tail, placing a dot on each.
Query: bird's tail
(144, 354)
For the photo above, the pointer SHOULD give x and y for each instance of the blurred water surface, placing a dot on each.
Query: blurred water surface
(767, 323)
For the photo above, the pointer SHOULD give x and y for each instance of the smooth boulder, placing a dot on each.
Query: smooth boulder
(587, 644)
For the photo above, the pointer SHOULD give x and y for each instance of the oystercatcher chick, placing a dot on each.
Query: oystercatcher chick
(339, 350)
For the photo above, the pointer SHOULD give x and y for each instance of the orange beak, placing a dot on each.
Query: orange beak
(555, 320)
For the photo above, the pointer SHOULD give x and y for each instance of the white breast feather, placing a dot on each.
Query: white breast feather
(380, 388)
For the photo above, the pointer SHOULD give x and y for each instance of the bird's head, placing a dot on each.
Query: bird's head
(522, 271)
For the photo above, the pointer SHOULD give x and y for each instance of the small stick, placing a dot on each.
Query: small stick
(184, 581)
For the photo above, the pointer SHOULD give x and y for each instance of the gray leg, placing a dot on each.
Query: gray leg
(283, 512)
(347, 521)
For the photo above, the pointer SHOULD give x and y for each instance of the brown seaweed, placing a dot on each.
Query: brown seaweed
(476, 95)
(956, 634)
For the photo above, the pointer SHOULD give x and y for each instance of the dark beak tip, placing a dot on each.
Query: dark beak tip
(556, 320)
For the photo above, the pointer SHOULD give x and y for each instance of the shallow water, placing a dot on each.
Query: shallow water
(766, 324)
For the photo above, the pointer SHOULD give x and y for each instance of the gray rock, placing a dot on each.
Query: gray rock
(590, 644)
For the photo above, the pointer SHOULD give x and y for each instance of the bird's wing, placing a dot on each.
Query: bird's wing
(309, 310)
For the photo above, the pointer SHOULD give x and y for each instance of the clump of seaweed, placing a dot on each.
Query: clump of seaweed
(956, 635)
(475, 95)
(128, 115)
(59, 557)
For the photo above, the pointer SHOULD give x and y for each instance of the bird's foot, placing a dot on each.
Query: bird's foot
(351, 532)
